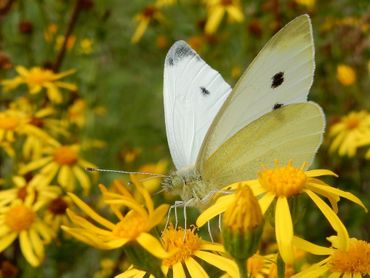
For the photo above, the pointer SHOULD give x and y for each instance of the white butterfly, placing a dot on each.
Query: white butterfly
(218, 136)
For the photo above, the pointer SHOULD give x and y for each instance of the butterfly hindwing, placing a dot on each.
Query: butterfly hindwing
(193, 94)
(281, 74)
(293, 132)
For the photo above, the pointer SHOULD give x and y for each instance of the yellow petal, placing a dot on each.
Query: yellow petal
(82, 178)
(311, 247)
(64, 73)
(5, 241)
(219, 207)
(178, 271)
(84, 223)
(35, 165)
(235, 13)
(316, 270)
(284, 229)
(319, 172)
(66, 178)
(338, 192)
(152, 245)
(90, 212)
(66, 85)
(195, 269)
(225, 264)
(158, 214)
(214, 19)
(44, 231)
(53, 93)
(27, 251)
(37, 244)
(140, 30)
(266, 201)
(212, 247)
(333, 219)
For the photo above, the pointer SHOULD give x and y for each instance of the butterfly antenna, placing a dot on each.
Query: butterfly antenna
(125, 172)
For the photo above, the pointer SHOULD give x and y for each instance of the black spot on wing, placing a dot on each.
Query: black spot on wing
(277, 106)
(179, 51)
(277, 79)
(204, 91)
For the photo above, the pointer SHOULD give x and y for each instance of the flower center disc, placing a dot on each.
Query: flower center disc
(65, 155)
(355, 260)
(173, 239)
(19, 218)
(9, 123)
(131, 226)
(283, 181)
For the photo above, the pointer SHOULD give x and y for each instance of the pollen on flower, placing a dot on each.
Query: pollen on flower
(9, 123)
(355, 260)
(132, 225)
(283, 181)
(186, 241)
(65, 155)
(19, 218)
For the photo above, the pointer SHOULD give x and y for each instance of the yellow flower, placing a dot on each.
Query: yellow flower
(346, 75)
(50, 32)
(280, 184)
(14, 123)
(310, 4)
(77, 112)
(151, 183)
(37, 78)
(185, 246)
(134, 226)
(60, 40)
(216, 11)
(63, 161)
(191, 246)
(23, 188)
(149, 14)
(86, 46)
(353, 261)
(351, 132)
(130, 154)
(20, 220)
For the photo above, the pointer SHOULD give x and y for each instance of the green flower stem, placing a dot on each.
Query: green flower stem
(243, 271)
(280, 267)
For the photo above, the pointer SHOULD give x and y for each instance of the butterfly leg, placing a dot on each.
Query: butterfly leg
(174, 206)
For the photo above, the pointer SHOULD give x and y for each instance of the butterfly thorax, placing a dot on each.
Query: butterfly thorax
(189, 185)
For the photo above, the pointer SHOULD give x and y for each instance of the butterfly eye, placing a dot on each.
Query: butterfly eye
(277, 80)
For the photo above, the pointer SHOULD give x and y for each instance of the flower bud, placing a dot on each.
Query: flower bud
(242, 225)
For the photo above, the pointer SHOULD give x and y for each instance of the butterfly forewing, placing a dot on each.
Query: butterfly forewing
(281, 74)
(193, 94)
(290, 133)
